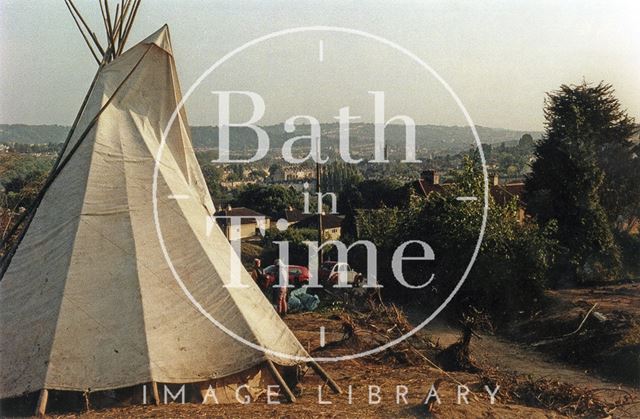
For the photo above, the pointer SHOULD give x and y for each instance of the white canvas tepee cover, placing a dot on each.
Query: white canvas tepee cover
(88, 301)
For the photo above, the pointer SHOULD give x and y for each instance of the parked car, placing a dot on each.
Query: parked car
(298, 275)
(330, 270)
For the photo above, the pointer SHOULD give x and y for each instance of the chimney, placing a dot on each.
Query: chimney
(495, 179)
(430, 177)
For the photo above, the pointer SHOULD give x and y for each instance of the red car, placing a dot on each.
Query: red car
(298, 275)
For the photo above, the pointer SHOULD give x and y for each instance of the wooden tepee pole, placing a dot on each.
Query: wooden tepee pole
(109, 26)
(276, 375)
(86, 40)
(323, 374)
(41, 408)
(156, 393)
(28, 213)
(91, 33)
(129, 25)
(124, 23)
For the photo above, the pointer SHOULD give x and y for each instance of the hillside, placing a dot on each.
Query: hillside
(436, 137)
(33, 134)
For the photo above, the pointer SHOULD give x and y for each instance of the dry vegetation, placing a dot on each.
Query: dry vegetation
(595, 328)
(412, 363)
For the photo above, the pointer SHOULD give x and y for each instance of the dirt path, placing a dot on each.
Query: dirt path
(507, 355)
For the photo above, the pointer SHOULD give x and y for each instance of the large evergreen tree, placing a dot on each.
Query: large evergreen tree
(574, 180)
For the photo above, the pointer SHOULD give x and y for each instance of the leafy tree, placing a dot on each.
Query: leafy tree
(236, 172)
(298, 250)
(574, 180)
(270, 200)
(526, 141)
(22, 176)
(258, 174)
(275, 169)
(374, 193)
(25, 195)
(620, 191)
(511, 268)
(369, 194)
(213, 178)
(630, 247)
(337, 175)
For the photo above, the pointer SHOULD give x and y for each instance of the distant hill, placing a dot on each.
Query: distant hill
(434, 137)
(33, 134)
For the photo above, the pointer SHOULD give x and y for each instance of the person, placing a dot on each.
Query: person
(258, 274)
(281, 294)
(261, 279)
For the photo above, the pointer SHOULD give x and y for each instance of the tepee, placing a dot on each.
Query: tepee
(87, 299)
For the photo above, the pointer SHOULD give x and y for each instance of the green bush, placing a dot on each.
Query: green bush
(511, 269)
(630, 249)
(298, 251)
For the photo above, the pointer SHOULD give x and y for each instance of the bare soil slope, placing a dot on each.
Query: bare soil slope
(594, 328)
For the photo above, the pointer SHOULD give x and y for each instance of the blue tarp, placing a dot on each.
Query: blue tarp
(299, 300)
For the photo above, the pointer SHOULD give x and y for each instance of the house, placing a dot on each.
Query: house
(294, 215)
(250, 222)
(502, 194)
(429, 182)
(331, 225)
(236, 184)
(297, 173)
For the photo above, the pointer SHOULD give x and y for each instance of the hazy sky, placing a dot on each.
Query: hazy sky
(499, 56)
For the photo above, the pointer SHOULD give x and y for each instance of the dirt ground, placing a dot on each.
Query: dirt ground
(373, 386)
(408, 367)
(597, 329)
(417, 379)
